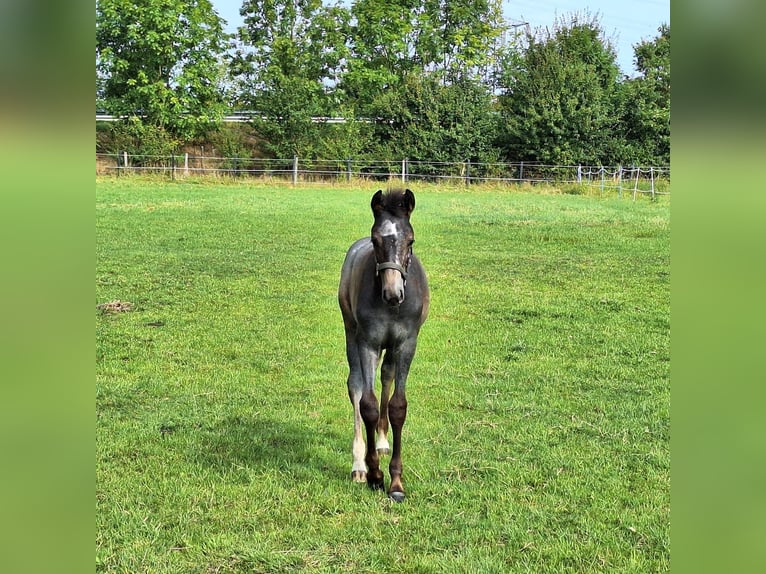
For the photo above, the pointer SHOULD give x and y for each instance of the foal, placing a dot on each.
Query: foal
(383, 297)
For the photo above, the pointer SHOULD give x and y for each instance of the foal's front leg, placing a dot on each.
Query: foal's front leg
(397, 409)
(368, 405)
(397, 413)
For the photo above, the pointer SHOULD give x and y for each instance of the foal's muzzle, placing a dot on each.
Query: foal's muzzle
(392, 285)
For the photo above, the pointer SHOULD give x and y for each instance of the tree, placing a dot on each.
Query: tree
(159, 61)
(433, 121)
(289, 56)
(451, 38)
(558, 103)
(469, 30)
(646, 111)
(417, 67)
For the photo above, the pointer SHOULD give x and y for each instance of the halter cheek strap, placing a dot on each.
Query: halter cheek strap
(391, 265)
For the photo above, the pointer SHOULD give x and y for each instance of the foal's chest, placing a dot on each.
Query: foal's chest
(386, 327)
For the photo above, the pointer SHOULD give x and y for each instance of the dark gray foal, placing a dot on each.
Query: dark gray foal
(384, 298)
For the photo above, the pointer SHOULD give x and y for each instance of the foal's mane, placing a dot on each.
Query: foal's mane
(394, 201)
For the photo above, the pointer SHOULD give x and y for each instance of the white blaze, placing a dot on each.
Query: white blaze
(388, 228)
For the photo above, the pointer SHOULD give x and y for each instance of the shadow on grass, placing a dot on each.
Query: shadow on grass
(256, 444)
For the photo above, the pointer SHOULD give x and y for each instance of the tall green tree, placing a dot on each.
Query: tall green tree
(439, 122)
(159, 61)
(646, 111)
(288, 58)
(469, 32)
(558, 105)
(417, 68)
(392, 39)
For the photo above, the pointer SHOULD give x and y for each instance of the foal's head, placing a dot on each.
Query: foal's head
(392, 238)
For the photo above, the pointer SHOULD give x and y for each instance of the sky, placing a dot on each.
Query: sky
(625, 22)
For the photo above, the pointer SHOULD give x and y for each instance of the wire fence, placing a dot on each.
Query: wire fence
(654, 180)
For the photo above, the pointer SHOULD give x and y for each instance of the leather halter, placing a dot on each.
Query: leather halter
(391, 265)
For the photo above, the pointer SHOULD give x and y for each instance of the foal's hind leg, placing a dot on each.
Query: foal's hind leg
(387, 372)
(355, 385)
(358, 448)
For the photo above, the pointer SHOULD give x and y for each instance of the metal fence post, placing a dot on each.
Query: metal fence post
(521, 171)
(404, 170)
(295, 170)
(468, 172)
(186, 163)
(619, 181)
(348, 169)
(603, 172)
(651, 176)
(579, 174)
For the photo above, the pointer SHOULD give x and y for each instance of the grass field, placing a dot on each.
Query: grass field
(538, 431)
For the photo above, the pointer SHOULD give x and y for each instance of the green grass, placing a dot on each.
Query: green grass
(538, 431)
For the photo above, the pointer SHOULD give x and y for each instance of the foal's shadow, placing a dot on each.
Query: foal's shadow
(256, 443)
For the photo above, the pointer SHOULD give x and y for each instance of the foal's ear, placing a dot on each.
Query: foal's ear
(377, 202)
(409, 201)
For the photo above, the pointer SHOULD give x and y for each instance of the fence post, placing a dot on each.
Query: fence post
(404, 170)
(348, 169)
(619, 181)
(651, 176)
(125, 160)
(579, 174)
(173, 166)
(468, 172)
(295, 170)
(521, 171)
(186, 163)
(635, 186)
(603, 171)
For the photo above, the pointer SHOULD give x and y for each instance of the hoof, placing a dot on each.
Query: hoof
(384, 451)
(375, 480)
(374, 485)
(397, 496)
(358, 476)
(381, 445)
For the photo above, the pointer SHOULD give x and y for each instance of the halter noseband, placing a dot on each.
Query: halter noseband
(391, 265)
